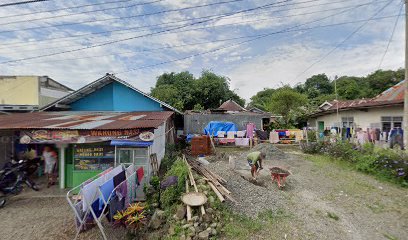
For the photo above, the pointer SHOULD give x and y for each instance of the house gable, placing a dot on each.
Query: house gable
(108, 93)
(100, 100)
(115, 97)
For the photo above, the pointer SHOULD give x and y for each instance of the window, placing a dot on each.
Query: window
(389, 122)
(137, 156)
(347, 122)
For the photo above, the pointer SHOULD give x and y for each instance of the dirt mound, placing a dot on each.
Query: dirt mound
(270, 151)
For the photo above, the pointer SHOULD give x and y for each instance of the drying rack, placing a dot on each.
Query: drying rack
(80, 221)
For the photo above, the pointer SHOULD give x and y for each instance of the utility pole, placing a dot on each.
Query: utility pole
(406, 79)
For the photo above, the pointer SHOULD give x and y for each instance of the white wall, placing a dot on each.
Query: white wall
(362, 119)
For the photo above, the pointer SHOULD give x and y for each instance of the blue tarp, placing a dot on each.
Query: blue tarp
(213, 127)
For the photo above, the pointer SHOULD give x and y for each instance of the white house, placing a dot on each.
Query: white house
(382, 112)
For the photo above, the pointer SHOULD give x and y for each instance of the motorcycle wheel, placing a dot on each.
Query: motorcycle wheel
(35, 187)
(2, 201)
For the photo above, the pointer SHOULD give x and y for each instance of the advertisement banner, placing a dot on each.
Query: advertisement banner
(83, 136)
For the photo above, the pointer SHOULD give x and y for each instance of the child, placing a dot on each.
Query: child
(50, 158)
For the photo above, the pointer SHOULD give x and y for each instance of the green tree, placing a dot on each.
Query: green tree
(288, 103)
(185, 91)
(381, 80)
(261, 98)
(318, 84)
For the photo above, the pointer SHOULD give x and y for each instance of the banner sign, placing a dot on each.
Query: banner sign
(80, 136)
(93, 157)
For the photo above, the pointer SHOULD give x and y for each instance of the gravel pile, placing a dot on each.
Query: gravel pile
(270, 150)
(250, 199)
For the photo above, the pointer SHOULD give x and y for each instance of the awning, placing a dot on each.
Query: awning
(130, 143)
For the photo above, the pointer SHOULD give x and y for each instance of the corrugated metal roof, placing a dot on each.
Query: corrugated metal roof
(393, 93)
(84, 120)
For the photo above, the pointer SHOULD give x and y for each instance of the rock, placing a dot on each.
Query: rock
(213, 225)
(185, 226)
(180, 212)
(204, 235)
(205, 192)
(207, 218)
(213, 232)
(210, 210)
(209, 229)
(171, 231)
(196, 224)
(183, 221)
(191, 231)
(157, 219)
(182, 237)
(195, 219)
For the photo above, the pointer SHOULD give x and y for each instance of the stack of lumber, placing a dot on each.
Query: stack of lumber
(214, 180)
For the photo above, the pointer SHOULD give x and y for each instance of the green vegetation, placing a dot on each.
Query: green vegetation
(333, 216)
(319, 88)
(171, 195)
(185, 92)
(386, 164)
(243, 227)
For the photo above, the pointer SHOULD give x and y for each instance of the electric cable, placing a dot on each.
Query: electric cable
(22, 3)
(342, 42)
(139, 28)
(391, 37)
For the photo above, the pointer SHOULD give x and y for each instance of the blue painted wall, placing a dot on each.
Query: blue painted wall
(127, 100)
(100, 100)
(115, 97)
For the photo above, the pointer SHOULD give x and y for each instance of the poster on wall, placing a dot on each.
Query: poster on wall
(84, 136)
(93, 157)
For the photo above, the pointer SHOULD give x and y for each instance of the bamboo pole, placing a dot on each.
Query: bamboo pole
(219, 195)
(188, 207)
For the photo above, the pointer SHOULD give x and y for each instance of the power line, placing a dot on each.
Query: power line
(135, 37)
(236, 44)
(22, 3)
(391, 37)
(207, 42)
(62, 9)
(125, 17)
(24, 43)
(85, 12)
(342, 42)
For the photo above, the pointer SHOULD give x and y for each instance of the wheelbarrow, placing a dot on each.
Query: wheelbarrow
(279, 175)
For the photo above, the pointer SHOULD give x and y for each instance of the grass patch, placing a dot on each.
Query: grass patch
(333, 216)
(376, 208)
(243, 227)
(389, 236)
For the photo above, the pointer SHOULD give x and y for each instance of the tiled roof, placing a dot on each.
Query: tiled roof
(232, 106)
(84, 120)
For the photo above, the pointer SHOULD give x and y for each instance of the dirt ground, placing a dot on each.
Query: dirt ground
(44, 215)
(321, 200)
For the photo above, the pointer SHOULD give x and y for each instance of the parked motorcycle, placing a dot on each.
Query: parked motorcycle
(13, 175)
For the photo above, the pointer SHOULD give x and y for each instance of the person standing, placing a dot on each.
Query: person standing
(50, 158)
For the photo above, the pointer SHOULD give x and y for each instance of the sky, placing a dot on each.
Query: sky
(257, 44)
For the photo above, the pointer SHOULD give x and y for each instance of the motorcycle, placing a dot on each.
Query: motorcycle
(14, 174)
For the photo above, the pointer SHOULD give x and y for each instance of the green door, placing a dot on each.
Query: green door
(321, 126)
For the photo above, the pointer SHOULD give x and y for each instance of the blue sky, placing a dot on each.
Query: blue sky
(259, 63)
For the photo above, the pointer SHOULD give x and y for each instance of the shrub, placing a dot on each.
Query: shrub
(172, 194)
(386, 163)
(133, 218)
